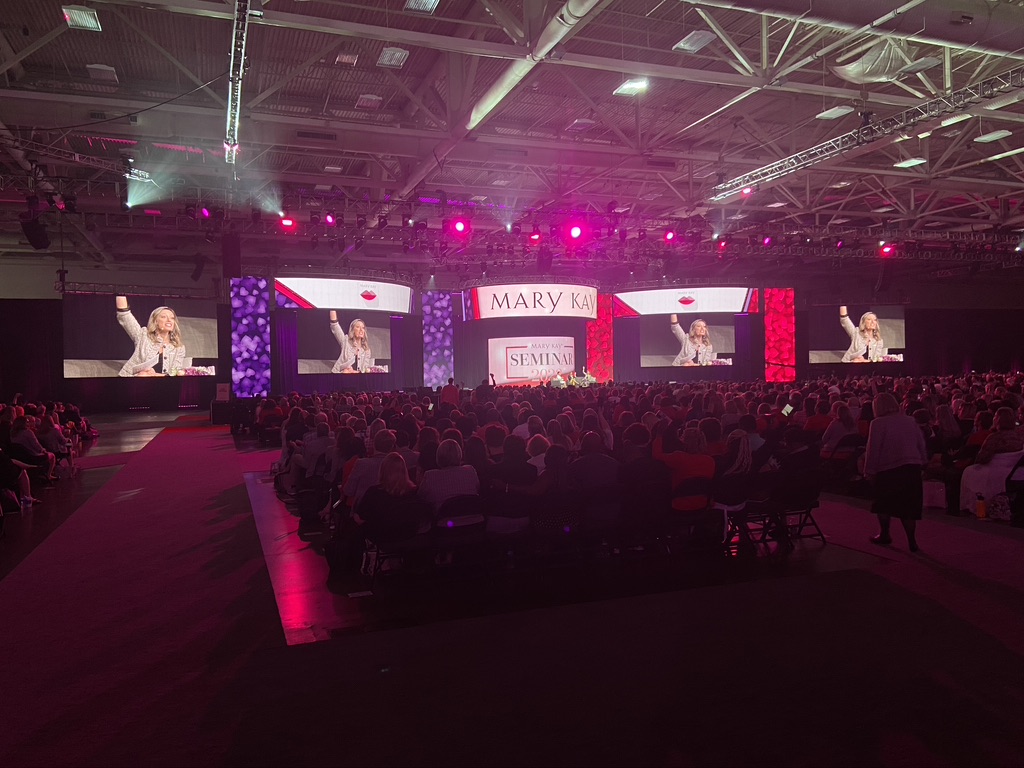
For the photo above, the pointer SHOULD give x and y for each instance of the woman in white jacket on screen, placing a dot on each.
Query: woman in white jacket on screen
(356, 355)
(159, 348)
(695, 346)
(866, 344)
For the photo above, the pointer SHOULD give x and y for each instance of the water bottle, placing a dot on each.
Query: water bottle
(979, 507)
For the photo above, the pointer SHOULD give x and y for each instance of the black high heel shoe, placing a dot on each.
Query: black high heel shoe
(880, 540)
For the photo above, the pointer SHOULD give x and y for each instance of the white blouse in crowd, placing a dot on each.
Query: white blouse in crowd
(351, 356)
(860, 345)
(147, 351)
(704, 353)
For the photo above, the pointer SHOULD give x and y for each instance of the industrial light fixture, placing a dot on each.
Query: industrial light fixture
(953, 120)
(909, 162)
(1006, 100)
(370, 102)
(835, 112)
(694, 41)
(79, 17)
(985, 138)
(580, 125)
(102, 72)
(347, 58)
(632, 87)
(392, 57)
(421, 6)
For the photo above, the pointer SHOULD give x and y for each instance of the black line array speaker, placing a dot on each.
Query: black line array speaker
(231, 254)
(35, 233)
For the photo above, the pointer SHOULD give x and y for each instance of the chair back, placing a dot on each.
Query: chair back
(461, 512)
(693, 493)
(847, 446)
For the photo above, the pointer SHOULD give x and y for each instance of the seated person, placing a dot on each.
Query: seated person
(25, 448)
(451, 478)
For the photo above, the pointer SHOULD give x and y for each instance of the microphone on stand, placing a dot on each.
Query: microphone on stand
(355, 365)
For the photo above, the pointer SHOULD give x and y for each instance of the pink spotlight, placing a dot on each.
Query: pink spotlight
(461, 226)
(205, 212)
(767, 241)
(575, 231)
(748, 191)
(287, 222)
(888, 249)
(330, 220)
(670, 235)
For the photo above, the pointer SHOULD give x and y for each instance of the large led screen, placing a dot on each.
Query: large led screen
(856, 334)
(343, 341)
(530, 300)
(360, 295)
(687, 326)
(687, 340)
(530, 359)
(138, 336)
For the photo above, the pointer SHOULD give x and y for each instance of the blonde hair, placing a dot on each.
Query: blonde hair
(744, 459)
(876, 334)
(884, 404)
(365, 343)
(394, 475)
(175, 334)
(707, 331)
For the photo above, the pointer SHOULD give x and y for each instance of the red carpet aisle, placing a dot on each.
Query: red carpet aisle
(154, 588)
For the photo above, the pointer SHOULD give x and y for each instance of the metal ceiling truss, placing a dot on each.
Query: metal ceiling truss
(951, 104)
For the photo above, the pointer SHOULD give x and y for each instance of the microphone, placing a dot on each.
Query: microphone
(355, 365)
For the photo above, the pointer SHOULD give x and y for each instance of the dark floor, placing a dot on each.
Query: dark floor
(167, 615)
(120, 436)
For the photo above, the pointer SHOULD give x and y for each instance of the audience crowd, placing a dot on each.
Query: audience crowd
(628, 458)
(36, 437)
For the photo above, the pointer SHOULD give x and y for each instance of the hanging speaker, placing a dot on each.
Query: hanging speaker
(35, 233)
(200, 265)
(231, 255)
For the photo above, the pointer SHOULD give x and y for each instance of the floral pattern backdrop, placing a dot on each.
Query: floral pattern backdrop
(438, 338)
(600, 340)
(250, 336)
(779, 334)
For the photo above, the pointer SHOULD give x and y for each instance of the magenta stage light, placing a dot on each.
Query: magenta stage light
(329, 219)
(461, 226)
(575, 231)
(670, 235)
(288, 222)
(206, 212)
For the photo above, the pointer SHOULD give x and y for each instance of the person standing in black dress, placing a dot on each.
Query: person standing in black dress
(893, 460)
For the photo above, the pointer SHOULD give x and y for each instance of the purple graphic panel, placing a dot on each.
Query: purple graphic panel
(250, 336)
(438, 338)
(284, 302)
